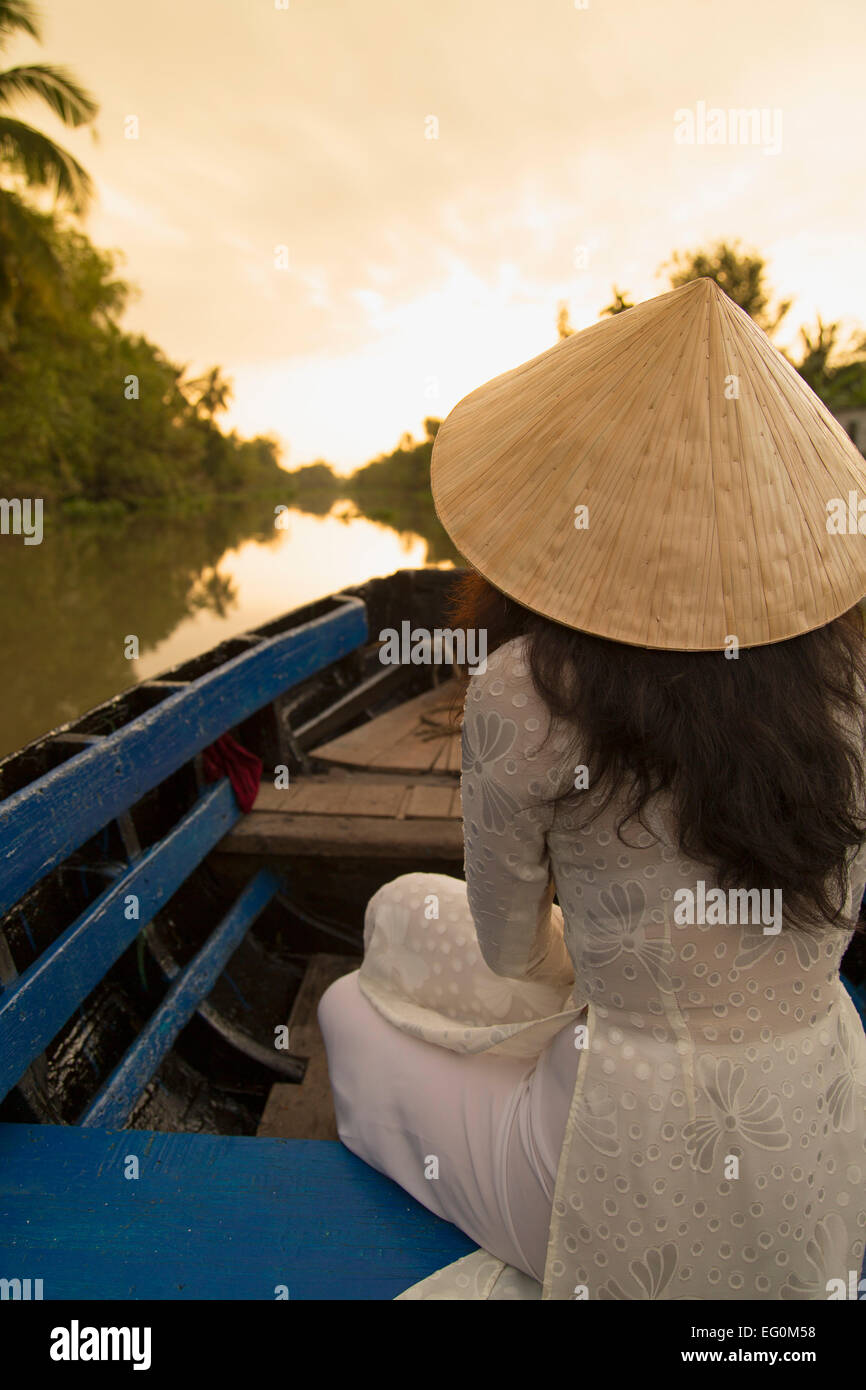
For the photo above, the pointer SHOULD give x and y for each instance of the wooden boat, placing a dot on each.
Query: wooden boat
(155, 942)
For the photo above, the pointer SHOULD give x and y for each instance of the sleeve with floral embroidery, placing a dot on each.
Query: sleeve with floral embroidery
(510, 767)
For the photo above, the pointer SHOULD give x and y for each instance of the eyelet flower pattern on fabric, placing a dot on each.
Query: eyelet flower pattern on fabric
(825, 1252)
(716, 1140)
(620, 931)
(651, 1275)
(755, 1117)
(845, 1101)
(485, 741)
(596, 1119)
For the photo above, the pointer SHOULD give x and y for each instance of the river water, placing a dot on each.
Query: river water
(70, 604)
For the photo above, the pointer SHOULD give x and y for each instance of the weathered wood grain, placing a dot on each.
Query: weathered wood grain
(327, 798)
(41, 1000)
(396, 740)
(433, 802)
(208, 1217)
(306, 1111)
(377, 837)
(114, 1103)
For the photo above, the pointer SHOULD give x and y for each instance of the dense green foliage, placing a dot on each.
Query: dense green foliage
(91, 412)
(406, 468)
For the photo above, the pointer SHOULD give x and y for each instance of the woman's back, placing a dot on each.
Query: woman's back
(715, 1145)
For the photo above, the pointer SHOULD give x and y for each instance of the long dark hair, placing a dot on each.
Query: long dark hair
(766, 782)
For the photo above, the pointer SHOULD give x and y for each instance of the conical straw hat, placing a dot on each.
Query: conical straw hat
(707, 467)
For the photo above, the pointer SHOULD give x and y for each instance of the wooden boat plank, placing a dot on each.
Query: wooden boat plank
(306, 1111)
(442, 762)
(373, 744)
(455, 754)
(331, 798)
(434, 802)
(278, 835)
(316, 729)
(407, 755)
(360, 746)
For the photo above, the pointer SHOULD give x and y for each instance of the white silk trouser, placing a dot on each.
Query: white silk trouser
(489, 1128)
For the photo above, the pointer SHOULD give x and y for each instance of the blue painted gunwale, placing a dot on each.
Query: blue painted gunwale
(209, 1217)
(114, 1103)
(36, 1006)
(52, 817)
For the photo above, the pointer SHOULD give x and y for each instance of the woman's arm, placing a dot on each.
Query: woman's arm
(506, 775)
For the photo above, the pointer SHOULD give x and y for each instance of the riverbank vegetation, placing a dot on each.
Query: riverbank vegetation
(92, 418)
(96, 418)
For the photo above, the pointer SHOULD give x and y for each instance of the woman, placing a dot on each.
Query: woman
(654, 1089)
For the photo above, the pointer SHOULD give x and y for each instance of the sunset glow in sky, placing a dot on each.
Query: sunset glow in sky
(419, 268)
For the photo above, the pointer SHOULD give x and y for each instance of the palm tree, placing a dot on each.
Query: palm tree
(620, 303)
(24, 149)
(835, 373)
(563, 322)
(26, 250)
(213, 393)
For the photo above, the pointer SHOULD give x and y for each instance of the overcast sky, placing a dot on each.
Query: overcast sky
(419, 268)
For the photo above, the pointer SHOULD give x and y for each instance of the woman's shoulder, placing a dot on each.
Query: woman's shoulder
(503, 710)
(505, 685)
(507, 666)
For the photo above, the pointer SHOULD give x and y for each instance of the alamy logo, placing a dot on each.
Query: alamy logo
(21, 1289)
(739, 906)
(420, 647)
(846, 516)
(837, 1290)
(75, 1343)
(22, 516)
(714, 125)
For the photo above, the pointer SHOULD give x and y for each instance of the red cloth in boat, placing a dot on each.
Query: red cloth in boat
(228, 758)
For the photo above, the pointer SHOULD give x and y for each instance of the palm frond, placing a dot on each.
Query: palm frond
(44, 163)
(55, 86)
(19, 16)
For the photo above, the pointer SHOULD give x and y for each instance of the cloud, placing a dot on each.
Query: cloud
(412, 258)
(145, 222)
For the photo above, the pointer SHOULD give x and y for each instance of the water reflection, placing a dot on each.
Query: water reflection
(179, 585)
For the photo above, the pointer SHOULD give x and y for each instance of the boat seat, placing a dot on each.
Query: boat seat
(389, 789)
(133, 1214)
(354, 815)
